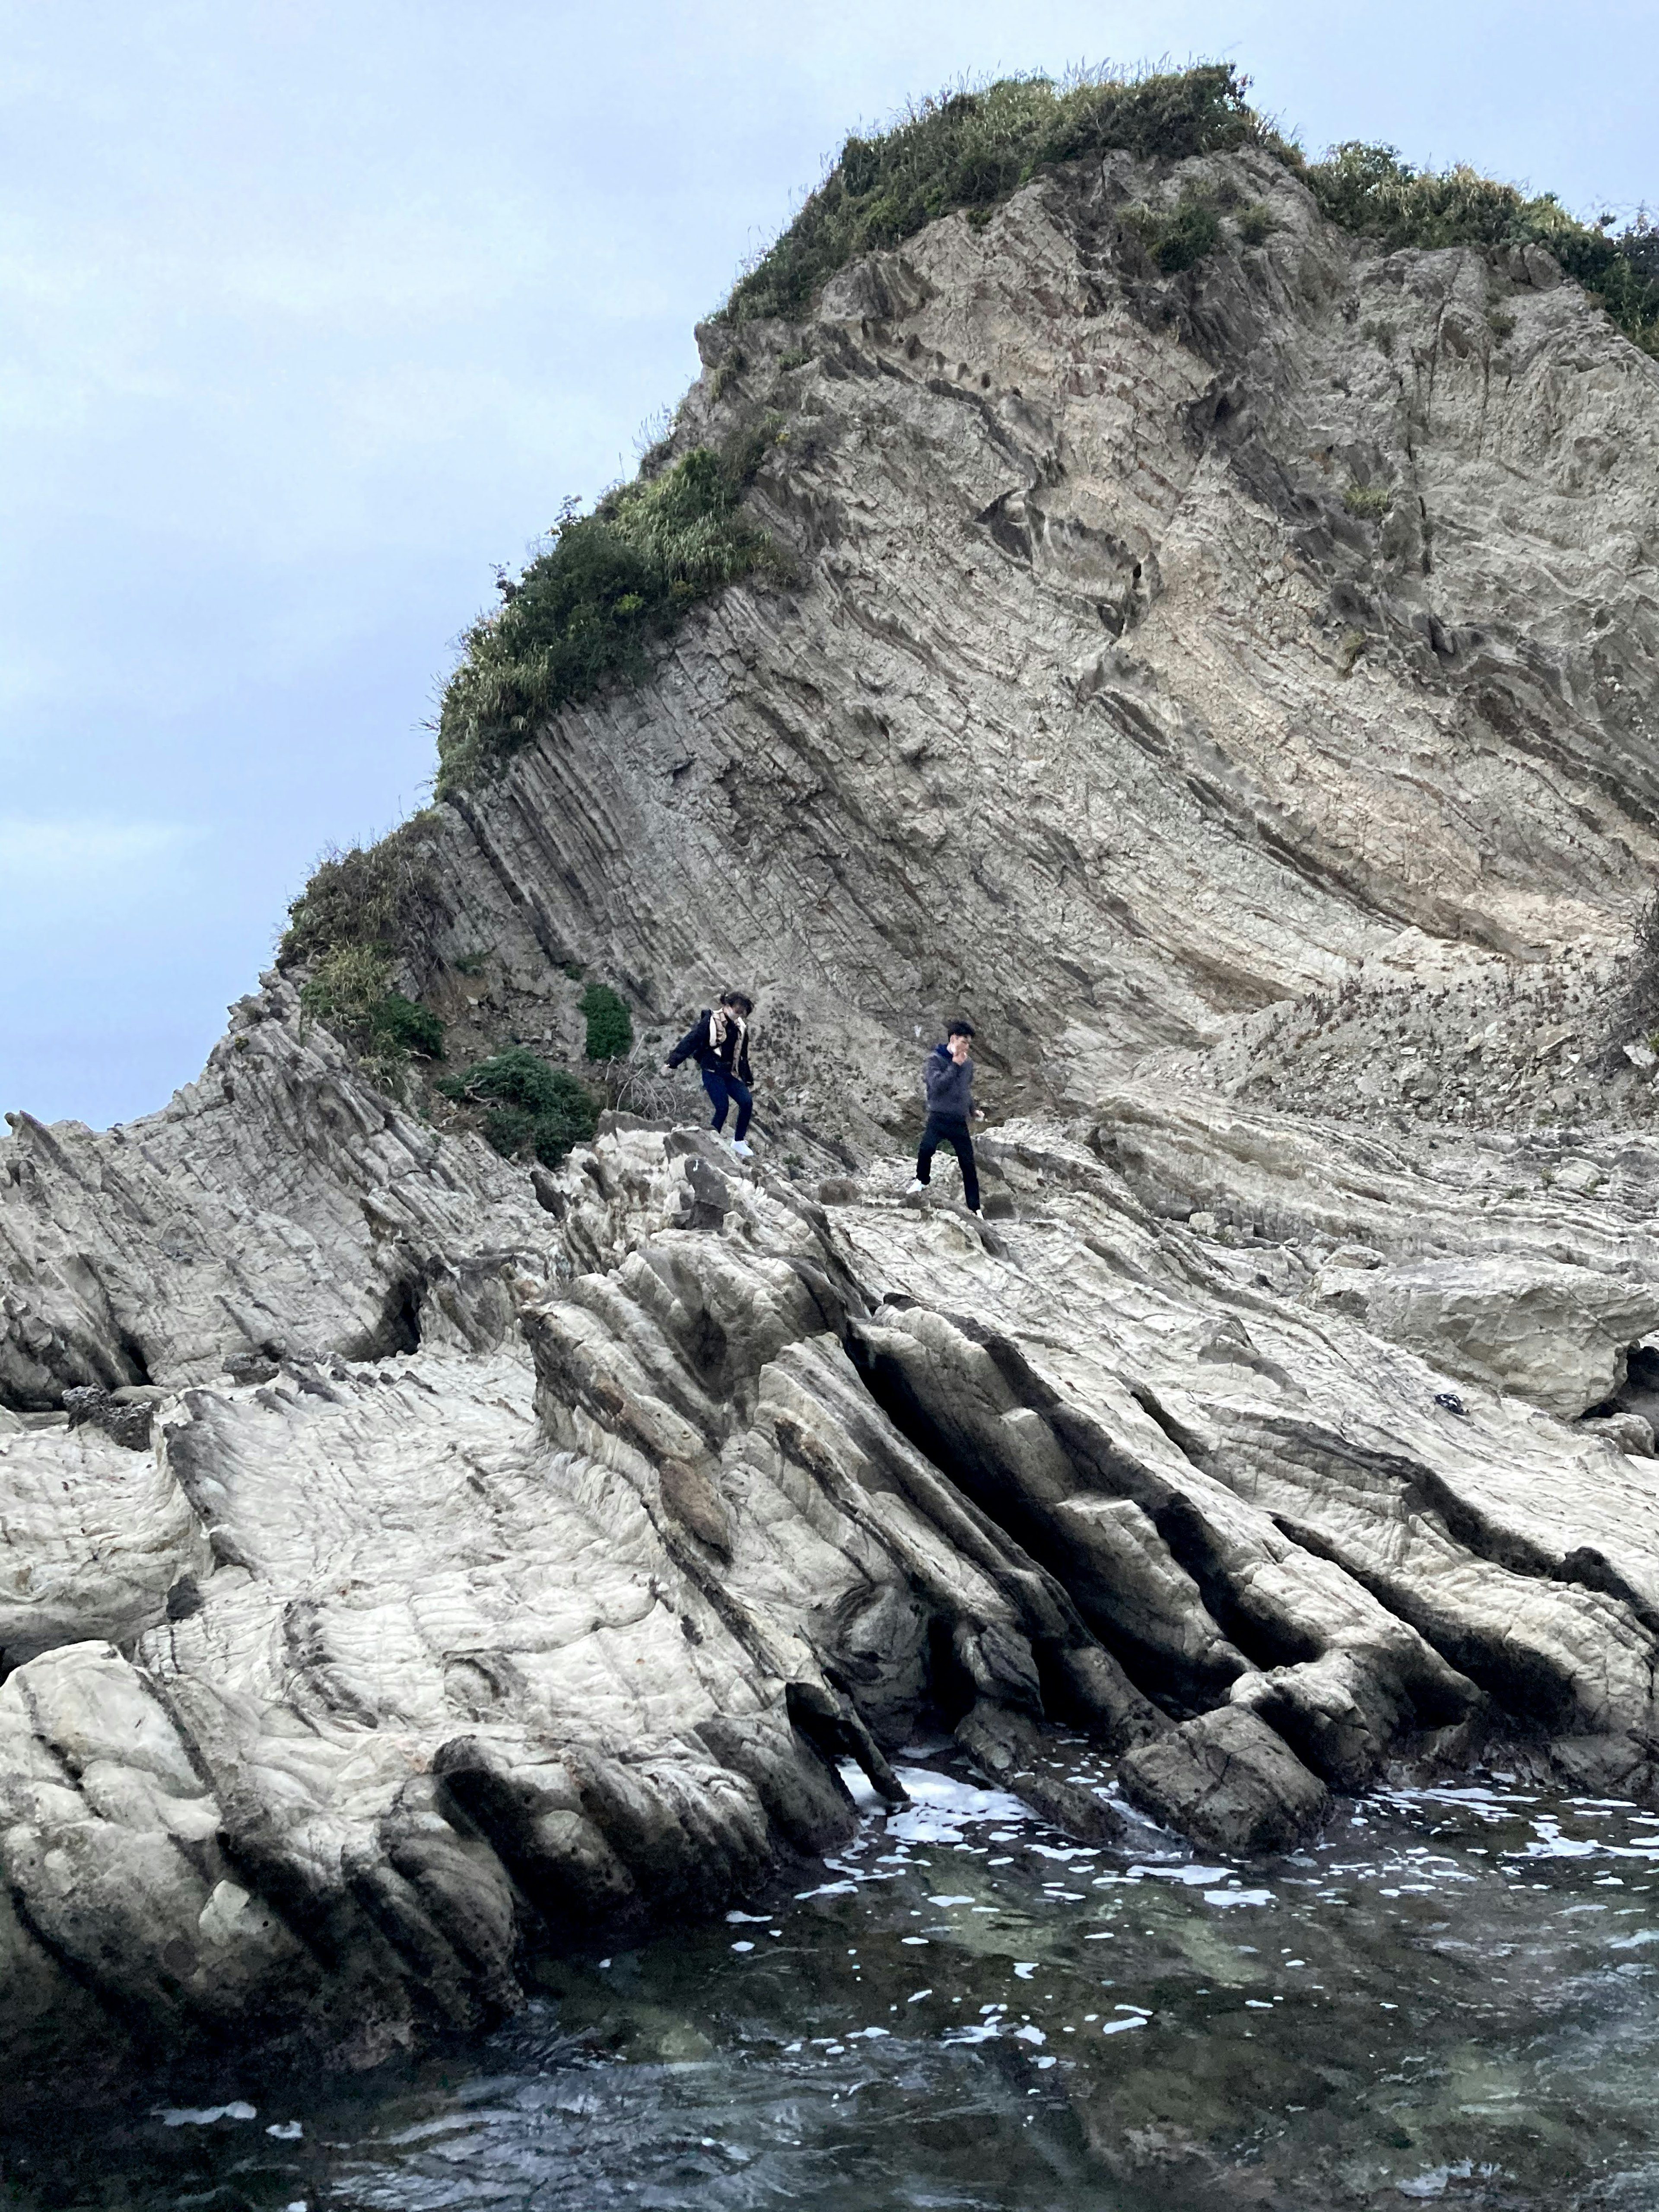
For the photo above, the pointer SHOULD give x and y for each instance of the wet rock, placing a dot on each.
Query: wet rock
(1015, 1754)
(1229, 1782)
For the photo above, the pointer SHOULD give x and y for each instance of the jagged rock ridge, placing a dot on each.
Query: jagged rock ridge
(515, 1555)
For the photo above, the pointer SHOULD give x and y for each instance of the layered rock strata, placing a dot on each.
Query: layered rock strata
(370, 1679)
(1096, 707)
(410, 1561)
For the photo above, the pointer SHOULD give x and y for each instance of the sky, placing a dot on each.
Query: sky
(312, 312)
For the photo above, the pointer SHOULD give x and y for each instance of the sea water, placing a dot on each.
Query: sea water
(1451, 1997)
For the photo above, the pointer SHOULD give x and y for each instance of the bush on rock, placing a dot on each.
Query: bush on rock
(528, 1106)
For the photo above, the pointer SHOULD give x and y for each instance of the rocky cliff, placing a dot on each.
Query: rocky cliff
(1233, 686)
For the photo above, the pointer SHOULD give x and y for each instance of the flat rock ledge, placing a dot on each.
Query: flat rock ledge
(370, 1677)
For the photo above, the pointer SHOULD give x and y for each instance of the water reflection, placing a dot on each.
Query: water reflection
(1450, 1998)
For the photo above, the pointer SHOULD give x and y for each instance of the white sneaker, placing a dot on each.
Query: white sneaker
(743, 1150)
(915, 1184)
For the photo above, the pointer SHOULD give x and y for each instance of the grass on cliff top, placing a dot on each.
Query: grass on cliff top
(587, 608)
(1369, 190)
(974, 149)
(613, 583)
(371, 896)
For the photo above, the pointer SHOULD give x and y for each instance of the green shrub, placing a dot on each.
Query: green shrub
(610, 1024)
(527, 1105)
(1369, 501)
(588, 608)
(351, 990)
(1256, 225)
(973, 149)
(1635, 1003)
(1369, 190)
(1183, 238)
(409, 1028)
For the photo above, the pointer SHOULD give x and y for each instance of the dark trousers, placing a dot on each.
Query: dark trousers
(725, 1091)
(954, 1133)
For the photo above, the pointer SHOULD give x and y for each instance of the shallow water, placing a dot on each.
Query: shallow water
(1451, 1999)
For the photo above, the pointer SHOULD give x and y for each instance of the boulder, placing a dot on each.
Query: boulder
(1553, 1334)
(1228, 1781)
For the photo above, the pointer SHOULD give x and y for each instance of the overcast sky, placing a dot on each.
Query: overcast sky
(314, 312)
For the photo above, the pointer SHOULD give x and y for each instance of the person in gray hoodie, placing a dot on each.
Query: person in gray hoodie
(949, 1077)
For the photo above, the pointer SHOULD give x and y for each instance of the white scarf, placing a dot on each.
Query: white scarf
(719, 1022)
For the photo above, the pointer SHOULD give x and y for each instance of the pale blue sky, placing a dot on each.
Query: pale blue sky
(313, 312)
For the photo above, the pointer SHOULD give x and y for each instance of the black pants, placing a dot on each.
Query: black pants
(725, 1091)
(954, 1133)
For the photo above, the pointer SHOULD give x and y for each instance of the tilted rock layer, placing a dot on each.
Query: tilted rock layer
(449, 1560)
(1096, 709)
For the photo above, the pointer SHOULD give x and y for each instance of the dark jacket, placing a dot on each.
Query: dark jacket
(949, 1086)
(730, 1056)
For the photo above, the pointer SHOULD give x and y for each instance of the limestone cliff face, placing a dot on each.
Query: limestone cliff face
(409, 1560)
(1096, 709)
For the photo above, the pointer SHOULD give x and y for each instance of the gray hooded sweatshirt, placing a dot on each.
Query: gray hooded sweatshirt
(949, 1086)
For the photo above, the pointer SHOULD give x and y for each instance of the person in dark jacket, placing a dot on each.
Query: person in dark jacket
(719, 1041)
(949, 1077)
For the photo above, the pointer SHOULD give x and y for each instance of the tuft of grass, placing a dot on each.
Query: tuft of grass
(370, 895)
(1370, 191)
(1369, 501)
(359, 910)
(1256, 224)
(973, 149)
(588, 609)
(610, 1024)
(1181, 238)
(351, 990)
(528, 1106)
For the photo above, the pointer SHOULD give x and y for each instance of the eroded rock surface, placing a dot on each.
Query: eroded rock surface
(375, 1677)
(1095, 706)
(448, 1561)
